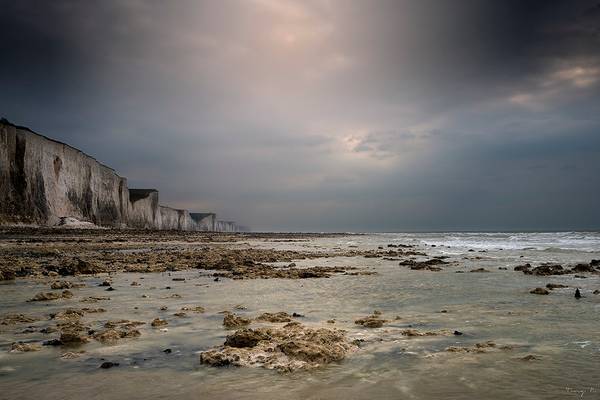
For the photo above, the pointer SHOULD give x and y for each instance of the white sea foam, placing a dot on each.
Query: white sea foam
(550, 241)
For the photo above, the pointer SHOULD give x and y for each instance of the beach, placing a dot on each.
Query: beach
(141, 314)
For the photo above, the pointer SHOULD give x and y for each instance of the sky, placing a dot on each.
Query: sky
(324, 115)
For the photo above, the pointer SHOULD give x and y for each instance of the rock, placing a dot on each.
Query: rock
(595, 263)
(47, 296)
(94, 299)
(539, 291)
(180, 314)
(107, 336)
(296, 315)
(167, 351)
(577, 294)
(70, 314)
(178, 279)
(275, 317)
(424, 265)
(289, 348)
(414, 332)
(20, 347)
(483, 347)
(553, 286)
(52, 342)
(164, 308)
(123, 323)
(134, 283)
(596, 291)
(458, 333)
(61, 285)
(112, 335)
(583, 268)
(13, 319)
(7, 275)
(246, 338)
(78, 266)
(371, 321)
(70, 355)
(479, 270)
(232, 321)
(530, 357)
(196, 309)
(110, 289)
(73, 333)
(108, 364)
(157, 322)
(548, 269)
(524, 268)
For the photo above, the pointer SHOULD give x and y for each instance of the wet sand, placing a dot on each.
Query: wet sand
(390, 322)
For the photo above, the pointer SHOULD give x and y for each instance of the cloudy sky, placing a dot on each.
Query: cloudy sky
(326, 115)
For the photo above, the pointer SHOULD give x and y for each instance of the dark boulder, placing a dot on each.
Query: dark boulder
(539, 290)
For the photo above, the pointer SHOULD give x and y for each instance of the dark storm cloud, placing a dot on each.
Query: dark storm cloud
(324, 115)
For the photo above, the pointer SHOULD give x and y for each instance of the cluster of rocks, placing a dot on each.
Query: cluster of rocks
(79, 254)
(549, 287)
(557, 269)
(115, 330)
(234, 321)
(288, 348)
(484, 347)
(429, 265)
(47, 296)
(252, 270)
(372, 321)
(14, 318)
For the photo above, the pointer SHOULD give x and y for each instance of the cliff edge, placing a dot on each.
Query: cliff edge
(44, 181)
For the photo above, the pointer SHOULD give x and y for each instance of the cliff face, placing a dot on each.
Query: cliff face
(181, 220)
(204, 221)
(226, 226)
(144, 211)
(42, 181)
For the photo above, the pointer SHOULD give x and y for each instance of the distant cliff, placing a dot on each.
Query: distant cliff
(42, 181)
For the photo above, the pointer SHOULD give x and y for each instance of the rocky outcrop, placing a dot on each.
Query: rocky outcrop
(43, 182)
(289, 348)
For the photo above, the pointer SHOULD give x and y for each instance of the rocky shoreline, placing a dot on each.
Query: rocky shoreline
(68, 263)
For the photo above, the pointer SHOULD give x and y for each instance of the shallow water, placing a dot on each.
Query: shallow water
(564, 333)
